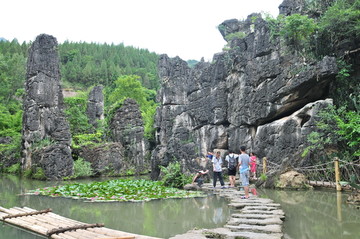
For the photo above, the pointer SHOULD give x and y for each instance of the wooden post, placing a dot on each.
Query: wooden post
(337, 174)
(264, 165)
(338, 203)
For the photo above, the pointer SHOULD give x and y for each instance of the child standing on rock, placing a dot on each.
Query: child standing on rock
(253, 165)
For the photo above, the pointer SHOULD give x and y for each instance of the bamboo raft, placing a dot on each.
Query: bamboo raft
(51, 225)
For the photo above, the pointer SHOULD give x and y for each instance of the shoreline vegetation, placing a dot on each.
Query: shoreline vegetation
(119, 190)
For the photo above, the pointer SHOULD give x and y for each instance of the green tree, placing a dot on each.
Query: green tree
(339, 26)
(12, 76)
(129, 86)
(76, 114)
(297, 30)
(91, 63)
(337, 128)
(172, 176)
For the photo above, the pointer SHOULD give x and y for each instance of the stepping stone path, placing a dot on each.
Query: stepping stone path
(252, 218)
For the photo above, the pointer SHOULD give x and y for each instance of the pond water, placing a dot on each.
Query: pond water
(159, 218)
(317, 214)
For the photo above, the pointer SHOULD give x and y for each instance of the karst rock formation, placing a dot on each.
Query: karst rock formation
(256, 94)
(127, 128)
(95, 106)
(46, 134)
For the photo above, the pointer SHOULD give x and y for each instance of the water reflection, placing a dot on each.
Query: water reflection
(160, 218)
(317, 214)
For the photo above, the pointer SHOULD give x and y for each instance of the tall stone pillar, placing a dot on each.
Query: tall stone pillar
(46, 134)
(95, 106)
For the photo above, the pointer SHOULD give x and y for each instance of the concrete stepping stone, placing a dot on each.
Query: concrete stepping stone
(275, 212)
(276, 228)
(252, 218)
(261, 221)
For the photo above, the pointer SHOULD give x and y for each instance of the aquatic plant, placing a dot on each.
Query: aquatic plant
(115, 190)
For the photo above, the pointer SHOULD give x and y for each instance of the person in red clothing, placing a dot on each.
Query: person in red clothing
(253, 165)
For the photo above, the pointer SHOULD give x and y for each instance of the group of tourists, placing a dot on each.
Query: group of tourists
(244, 163)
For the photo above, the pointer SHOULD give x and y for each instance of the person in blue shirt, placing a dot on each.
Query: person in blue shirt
(244, 161)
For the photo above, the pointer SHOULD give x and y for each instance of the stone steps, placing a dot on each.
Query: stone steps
(252, 218)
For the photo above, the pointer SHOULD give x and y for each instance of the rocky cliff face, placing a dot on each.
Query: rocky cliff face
(256, 94)
(46, 133)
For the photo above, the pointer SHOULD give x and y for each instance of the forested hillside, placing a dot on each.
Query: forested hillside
(87, 64)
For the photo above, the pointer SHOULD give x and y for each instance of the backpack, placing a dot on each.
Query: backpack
(232, 163)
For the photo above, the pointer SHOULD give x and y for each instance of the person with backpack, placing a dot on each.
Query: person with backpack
(232, 161)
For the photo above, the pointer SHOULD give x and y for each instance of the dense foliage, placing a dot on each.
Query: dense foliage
(339, 128)
(335, 25)
(76, 114)
(12, 75)
(82, 168)
(82, 132)
(88, 64)
(172, 176)
(130, 87)
(296, 29)
(339, 26)
(115, 190)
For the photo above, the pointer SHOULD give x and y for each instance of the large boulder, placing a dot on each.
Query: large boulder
(54, 160)
(45, 127)
(292, 180)
(107, 159)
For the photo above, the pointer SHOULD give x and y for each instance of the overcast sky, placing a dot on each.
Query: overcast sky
(184, 28)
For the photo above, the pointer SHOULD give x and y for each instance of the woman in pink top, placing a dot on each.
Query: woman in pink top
(253, 165)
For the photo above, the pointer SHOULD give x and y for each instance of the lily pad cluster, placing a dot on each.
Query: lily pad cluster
(115, 190)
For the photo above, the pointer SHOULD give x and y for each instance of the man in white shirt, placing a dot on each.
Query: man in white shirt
(217, 163)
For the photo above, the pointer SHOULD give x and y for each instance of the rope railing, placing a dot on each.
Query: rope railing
(332, 172)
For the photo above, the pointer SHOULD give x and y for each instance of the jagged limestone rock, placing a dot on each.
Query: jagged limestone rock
(283, 141)
(127, 128)
(95, 106)
(244, 97)
(289, 7)
(106, 159)
(46, 134)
